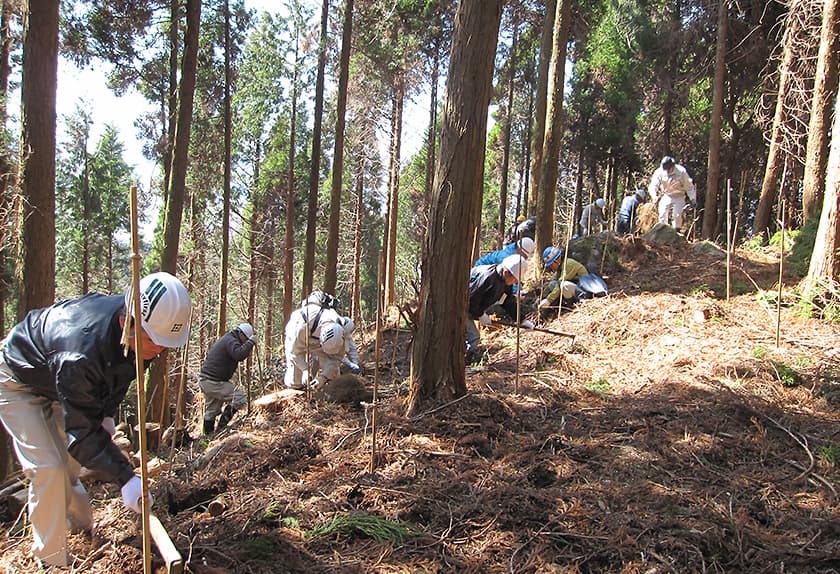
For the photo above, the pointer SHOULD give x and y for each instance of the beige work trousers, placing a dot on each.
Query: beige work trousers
(57, 499)
(217, 393)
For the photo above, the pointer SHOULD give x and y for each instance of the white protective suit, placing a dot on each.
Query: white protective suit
(670, 189)
(299, 334)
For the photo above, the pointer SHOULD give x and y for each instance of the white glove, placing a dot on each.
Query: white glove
(351, 365)
(544, 303)
(109, 425)
(132, 492)
(484, 319)
(253, 339)
(527, 324)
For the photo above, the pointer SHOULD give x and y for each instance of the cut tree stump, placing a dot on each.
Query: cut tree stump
(275, 401)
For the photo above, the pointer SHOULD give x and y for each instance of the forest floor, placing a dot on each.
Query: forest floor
(672, 436)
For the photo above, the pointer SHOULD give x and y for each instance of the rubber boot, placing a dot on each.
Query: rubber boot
(227, 414)
(208, 426)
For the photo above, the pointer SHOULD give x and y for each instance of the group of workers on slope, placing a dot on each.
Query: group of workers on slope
(670, 190)
(65, 369)
(494, 279)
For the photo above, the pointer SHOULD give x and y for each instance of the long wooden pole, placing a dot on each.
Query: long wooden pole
(781, 273)
(379, 301)
(728, 236)
(141, 391)
(179, 404)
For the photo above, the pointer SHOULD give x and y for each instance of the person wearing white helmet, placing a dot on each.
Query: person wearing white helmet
(562, 289)
(314, 332)
(523, 247)
(214, 378)
(64, 371)
(491, 284)
(592, 215)
(669, 188)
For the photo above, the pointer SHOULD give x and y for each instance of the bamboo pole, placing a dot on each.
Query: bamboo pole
(781, 272)
(375, 399)
(179, 404)
(141, 391)
(728, 236)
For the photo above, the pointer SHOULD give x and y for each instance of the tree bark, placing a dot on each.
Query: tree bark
(315, 165)
(547, 192)
(331, 272)
(713, 178)
(157, 391)
(393, 189)
(37, 155)
(775, 160)
(431, 139)
(825, 260)
(437, 373)
(538, 131)
(289, 251)
(503, 188)
(355, 307)
(221, 323)
(825, 91)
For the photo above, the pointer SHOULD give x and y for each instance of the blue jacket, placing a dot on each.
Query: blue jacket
(495, 257)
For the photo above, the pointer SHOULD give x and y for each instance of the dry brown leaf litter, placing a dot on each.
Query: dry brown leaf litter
(656, 444)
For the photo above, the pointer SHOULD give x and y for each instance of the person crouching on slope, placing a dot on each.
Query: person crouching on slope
(63, 373)
(318, 331)
(214, 378)
(491, 284)
(561, 290)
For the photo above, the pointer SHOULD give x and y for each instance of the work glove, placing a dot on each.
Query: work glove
(253, 339)
(109, 425)
(484, 319)
(527, 324)
(544, 303)
(132, 492)
(354, 368)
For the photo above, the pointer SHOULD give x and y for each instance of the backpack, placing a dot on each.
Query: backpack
(323, 301)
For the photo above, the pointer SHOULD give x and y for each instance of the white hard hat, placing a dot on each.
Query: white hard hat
(246, 329)
(518, 266)
(600, 202)
(348, 325)
(164, 309)
(332, 338)
(526, 244)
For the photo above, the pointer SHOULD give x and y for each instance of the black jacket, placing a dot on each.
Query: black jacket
(487, 285)
(522, 229)
(71, 353)
(224, 356)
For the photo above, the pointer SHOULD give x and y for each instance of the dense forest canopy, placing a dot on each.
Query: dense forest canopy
(726, 88)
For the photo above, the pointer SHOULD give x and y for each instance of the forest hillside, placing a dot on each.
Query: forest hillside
(671, 434)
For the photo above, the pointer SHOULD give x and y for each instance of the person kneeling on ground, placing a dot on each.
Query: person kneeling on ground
(214, 378)
(490, 284)
(64, 371)
(314, 333)
(560, 291)
(628, 216)
(523, 247)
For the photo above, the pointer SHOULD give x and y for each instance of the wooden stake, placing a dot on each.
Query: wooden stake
(728, 234)
(781, 272)
(179, 404)
(379, 304)
(141, 390)
(170, 554)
